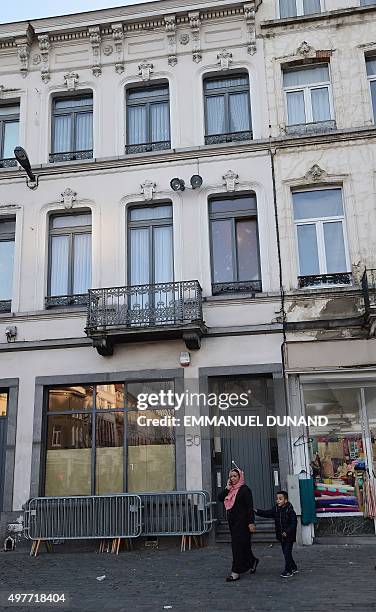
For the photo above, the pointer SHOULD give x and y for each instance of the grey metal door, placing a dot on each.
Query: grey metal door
(3, 439)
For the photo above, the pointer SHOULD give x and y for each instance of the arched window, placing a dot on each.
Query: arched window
(148, 118)
(72, 128)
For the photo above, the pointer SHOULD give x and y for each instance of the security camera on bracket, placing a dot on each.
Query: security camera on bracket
(177, 184)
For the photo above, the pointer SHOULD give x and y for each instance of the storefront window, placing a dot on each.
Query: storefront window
(3, 404)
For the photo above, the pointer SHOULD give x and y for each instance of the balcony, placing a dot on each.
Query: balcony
(8, 163)
(145, 312)
(60, 301)
(368, 283)
(147, 147)
(5, 306)
(231, 137)
(70, 156)
(322, 280)
(307, 129)
(253, 287)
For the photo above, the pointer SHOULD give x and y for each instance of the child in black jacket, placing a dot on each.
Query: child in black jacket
(285, 529)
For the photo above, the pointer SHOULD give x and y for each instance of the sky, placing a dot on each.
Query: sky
(20, 10)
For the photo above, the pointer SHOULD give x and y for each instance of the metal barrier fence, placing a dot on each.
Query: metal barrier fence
(83, 517)
(176, 513)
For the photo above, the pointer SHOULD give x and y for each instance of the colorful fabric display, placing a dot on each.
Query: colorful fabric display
(337, 501)
(337, 509)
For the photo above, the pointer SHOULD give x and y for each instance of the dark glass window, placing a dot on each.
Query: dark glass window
(7, 234)
(148, 119)
(72, 128)
(227, 109)
(9, 128)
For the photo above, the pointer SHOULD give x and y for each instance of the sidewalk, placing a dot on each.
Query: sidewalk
(332, 577)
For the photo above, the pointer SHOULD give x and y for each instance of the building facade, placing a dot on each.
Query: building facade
(110, 273)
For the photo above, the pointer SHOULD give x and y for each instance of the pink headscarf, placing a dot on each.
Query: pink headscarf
(231, 495)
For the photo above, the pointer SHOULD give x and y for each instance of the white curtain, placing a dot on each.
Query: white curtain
(215, 115)
(295, 108)
(160, 122)
(136, 127)
(62, 134)
(222, 251)
(163, 258)
(139, 254)
(320, 104)
(82, 263)
(59, 265)
(287, 8)
(6, 269)
(84, 132)
(317, 204)
(373, 94)
(10, 138)
(334, 247)
(311, 6)
(308, 252)
(306, 76)
(239, 112)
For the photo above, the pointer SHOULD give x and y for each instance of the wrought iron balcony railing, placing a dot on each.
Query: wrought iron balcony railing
(253, 286)
(320, 280)
(70, 156)
(230, 137)
(146, 147)
(8, 163)
(56, 301)
(141, 312)
(368, 283)
(5, 306)
(305, 129)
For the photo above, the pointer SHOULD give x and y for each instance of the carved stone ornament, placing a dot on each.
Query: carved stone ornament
(44, 48)
(36, 59)
(224, 59)
(148, 189)
(315, 173)
(118, 38)
(108, 50)
(68, 197)
(184, 38)
(195, 23)
(145, 69)
(71, 80)
(95, 41)
(230, 180)
(23, 52)
(304, 49)
(170, 24)
(250, 20)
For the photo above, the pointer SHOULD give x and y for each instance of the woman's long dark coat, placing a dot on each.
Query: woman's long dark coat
(239, 517)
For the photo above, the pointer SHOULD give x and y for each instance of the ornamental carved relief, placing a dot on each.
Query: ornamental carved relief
(224, 59)
(118, 38)
(145, 69)
(170, 25)
(71, 80)
(230, 180)
(315, 173)
(148, 188)
(68, 197)
(95, 41)
(44, 48)
(195, 23)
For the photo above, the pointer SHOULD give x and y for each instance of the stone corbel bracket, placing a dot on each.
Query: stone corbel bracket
(170, 25)
(250, 19)
(23, 44)
(95, 41)
(44, 47)
(195, 23)
(118, 38)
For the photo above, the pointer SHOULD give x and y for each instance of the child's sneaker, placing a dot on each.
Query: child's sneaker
(295, 571)
(286, 574)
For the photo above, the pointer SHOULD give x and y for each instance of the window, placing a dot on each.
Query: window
(371, 72)
(321, 237)
(148, 119)
(308, 97)
(292, 8)
(227, 109)
(9, 123)
(7, 233)
(70, 259)
(94, 445)
(367, 2)
(72, 128)
(234, 245)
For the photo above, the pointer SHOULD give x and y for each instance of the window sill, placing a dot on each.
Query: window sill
(242, 296)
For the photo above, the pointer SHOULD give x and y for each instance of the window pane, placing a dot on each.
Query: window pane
(70, 398)
(73, 102)
(71, 220)
(226, 83)
(155, 212)
(6, 269)
(109, 469)
(10, 109)
(7, 227)
(109, 397)
(59, 265)
(137, 125)
(246, 238)
(371, 412)
(295, 108)
(68, 461)
(287, 8)
(62, 134)
(151, 453)
(334, 247)
(163, 255)
(307, 247)
(311, 6)
(160, 122)
(239, 112)
(10, 138)
(317, 204)
(320, 104)
(222, 251)
(150, 92)
(84, 132)
(373, 95)
(215, 115)
(82, 263)
(139, 254)
(367, 2)
(371, 66)
(233, 205)
(139, 392)
(306, 76)
(3, 404)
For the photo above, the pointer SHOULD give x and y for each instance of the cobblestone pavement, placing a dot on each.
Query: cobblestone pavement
(339, 578)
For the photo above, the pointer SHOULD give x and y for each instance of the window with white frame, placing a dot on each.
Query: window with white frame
(9, 124)
(293, 8)
(371, 73)
(227, 108)
(308, 94)
(7, 234)
(148, 118)
(321, 237)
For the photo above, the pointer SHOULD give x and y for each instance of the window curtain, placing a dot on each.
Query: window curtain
(62, 134)
(222, 251)
(139, 253)
(137, 126)
(215, 115)
(10, 139)
(295, 108)
(82, 263)
(306, 76)
(163, 268)
(6, 269)
(373, 94)
(320, 104)
(308, 252)
(334, 247)
(84, 132)
(239, 112)
(311, 6)
(160, 122)
(59, 265)
(247, 247)
(287, 8)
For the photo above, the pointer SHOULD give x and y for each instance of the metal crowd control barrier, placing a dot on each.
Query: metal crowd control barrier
(176, 513)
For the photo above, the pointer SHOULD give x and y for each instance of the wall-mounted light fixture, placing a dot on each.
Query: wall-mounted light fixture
(196, 181)
(23, 159)
(177, 184)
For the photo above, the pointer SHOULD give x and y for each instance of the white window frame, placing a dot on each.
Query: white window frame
(319, 224)
(306, 89)
(299, 9)
(371, 78)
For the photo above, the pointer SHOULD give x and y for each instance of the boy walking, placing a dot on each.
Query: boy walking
(285, 529)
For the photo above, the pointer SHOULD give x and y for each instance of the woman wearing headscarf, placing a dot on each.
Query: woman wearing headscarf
(237, 498)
